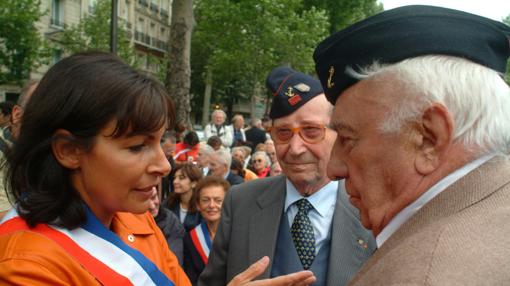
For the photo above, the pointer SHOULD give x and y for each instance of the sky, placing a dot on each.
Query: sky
(494, 9)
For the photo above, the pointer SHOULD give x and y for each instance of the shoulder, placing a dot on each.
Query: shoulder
(250, 190)
(40, 259)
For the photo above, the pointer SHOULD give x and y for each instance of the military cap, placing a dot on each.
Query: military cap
(407, 32)
(291, 90)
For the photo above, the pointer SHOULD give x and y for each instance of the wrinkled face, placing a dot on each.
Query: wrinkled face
(182, 184)
(202, 159)
(217, 167)
(304, 163)
(259, 163)
(210, 202)
(378, 167)
(271, 152)
(120, 174)
(239, 155)
(218, 118)
(239, 123)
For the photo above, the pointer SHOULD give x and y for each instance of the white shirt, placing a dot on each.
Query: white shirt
(435, 190)
(321, 216)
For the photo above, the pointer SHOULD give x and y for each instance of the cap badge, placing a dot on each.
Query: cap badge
(289, 92)
(302, 87)
(331, 73)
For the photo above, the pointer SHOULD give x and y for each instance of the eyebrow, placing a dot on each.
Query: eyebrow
(339, 126)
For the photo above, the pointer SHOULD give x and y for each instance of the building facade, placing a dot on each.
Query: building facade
(147, 23)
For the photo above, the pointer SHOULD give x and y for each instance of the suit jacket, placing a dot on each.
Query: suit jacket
(255, 136)
(249, 226)
(190, 221)
(461, 237)
(234, 179)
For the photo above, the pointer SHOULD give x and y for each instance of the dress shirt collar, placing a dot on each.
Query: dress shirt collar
(320, 200)
(435, 190)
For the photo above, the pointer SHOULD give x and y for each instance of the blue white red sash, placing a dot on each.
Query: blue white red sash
(98, 250)
(201, 240)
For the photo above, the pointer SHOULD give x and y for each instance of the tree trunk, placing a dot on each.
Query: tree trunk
(207, 97)
(179, 71)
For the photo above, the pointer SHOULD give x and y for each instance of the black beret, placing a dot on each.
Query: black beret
(291, 90)
(407, 32)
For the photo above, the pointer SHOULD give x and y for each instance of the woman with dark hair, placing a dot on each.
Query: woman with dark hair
(82, 172)
(182, 200)
(187, 150)
(210, 194)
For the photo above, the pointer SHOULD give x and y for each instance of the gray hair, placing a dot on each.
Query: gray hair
(206, 149)
(223, 157)
(476, 96)
(220, 112)
(263, 155)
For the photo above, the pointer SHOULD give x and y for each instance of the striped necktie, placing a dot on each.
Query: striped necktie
(302, 234)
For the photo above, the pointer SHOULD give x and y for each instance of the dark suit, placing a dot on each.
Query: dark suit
(251, 217)
(460, 237)
(190, 221)
(255, 136)
(234, 179)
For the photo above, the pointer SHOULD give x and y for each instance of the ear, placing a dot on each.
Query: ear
(436, 137)
(65, 149)
(193, 185)
(16, 114)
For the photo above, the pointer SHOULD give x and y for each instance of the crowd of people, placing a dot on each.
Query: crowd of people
(391, 168)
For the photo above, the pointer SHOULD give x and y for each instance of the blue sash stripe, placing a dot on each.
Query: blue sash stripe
(207, 236)
(94, 226)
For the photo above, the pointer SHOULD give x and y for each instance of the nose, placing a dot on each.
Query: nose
(337, 168)
(160, 165)
(296, 145)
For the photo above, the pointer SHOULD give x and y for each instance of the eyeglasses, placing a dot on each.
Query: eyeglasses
(310, 133)
(258, 161)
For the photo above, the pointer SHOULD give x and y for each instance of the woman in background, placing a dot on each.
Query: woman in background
(210, 192)
(182, 201)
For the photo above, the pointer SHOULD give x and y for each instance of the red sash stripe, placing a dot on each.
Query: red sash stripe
(198, 246)
(98, 269)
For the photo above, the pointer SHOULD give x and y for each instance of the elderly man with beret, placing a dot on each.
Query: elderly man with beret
(422, 116)
(300, 220)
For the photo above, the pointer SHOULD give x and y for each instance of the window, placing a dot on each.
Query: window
(56, 56)
(57, 13)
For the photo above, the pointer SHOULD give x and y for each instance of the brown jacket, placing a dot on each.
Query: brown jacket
(461, 237)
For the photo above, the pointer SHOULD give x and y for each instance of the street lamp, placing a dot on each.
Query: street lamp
(113, 28)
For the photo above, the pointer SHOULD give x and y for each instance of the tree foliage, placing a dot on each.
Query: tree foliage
(241, 41)
(342, 13)
(93, 33)
(21, 46)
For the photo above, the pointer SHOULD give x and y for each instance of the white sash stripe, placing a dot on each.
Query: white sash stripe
(201, 238)
(109, 254)
(104, 251)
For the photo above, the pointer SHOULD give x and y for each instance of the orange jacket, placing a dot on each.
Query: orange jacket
(28, 258)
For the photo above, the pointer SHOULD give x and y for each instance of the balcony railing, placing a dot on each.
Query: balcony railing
(129, 25)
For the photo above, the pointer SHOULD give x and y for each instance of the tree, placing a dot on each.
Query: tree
(21, 46)
(179, 70)
(506, 20)
(342, 13)
(239, 42)
(93, 33)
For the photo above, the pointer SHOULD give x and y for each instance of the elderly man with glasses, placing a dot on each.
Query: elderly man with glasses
(300, 220)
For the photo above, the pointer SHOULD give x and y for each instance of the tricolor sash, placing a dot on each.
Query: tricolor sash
(201, 240)
(100, 251)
